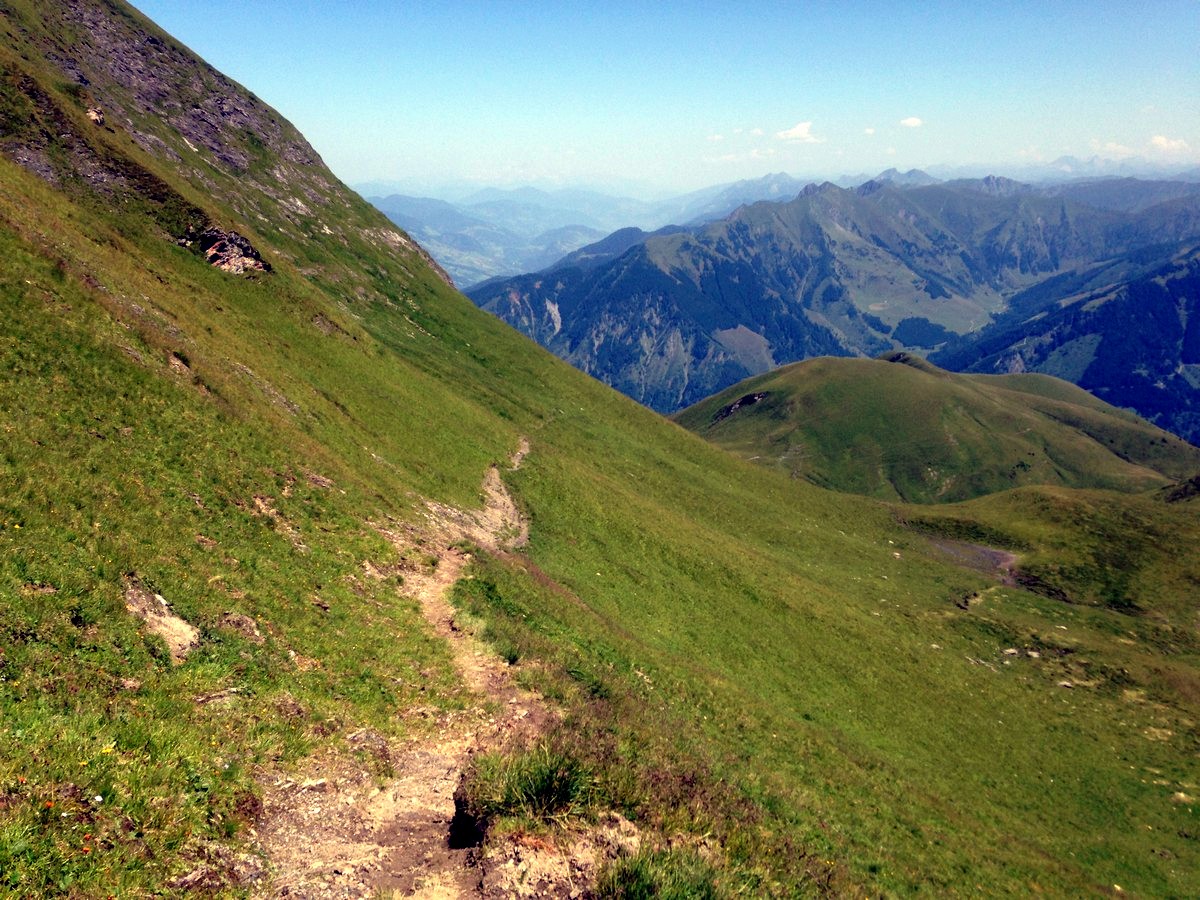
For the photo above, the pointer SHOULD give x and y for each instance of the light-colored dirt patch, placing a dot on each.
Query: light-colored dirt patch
(180, 636)
(335, 830)
(527, 866)
(265, 506)
(498, 526)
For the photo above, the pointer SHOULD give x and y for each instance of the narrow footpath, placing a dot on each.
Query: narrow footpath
(337, 833)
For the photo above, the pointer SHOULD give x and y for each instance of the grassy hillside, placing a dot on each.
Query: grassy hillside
(789, 690)
(901, 428)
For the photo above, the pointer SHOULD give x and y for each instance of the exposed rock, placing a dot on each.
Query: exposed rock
(390, 237)
(243, 625)
(230, 252)
(748, 400)
(1185, 490)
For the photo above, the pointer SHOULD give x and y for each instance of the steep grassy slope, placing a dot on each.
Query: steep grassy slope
(899, 427)
(780, 678)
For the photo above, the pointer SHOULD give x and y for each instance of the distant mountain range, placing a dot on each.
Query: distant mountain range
(671, 317)
(1127, 329)
(495, 232)
(473, 243)
(480, 234)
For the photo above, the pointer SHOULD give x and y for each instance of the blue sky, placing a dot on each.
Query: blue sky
(675, 96)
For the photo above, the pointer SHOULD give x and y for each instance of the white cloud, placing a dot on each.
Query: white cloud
(868, 131)
(800, 133)
(891, 151)
(1112, 150)
(911, 122)
(757, 132)
(1169, 145)
(738, 130)
(716, 137)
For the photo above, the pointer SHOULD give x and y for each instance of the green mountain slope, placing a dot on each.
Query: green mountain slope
(900, 428)
(789, 690)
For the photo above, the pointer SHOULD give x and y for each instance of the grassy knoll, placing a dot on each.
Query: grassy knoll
(904, 429)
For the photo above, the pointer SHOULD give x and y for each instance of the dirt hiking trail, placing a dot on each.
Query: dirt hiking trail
(342, 831)
(337, 829)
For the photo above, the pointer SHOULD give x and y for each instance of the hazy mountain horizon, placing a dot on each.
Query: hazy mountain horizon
(1060, 169)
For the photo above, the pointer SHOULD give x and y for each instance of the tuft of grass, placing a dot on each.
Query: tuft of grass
(537, 785)
(663, 874)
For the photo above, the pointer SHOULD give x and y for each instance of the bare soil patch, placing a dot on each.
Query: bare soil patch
(978, 557)
(180, 636)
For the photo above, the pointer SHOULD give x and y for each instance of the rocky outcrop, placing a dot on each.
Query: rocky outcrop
(230, 252)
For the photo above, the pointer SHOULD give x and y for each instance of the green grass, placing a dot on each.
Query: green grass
(671, 875)
(108, 469)
(909, 431)
(538, 785)
(841, 689)
(745, 664)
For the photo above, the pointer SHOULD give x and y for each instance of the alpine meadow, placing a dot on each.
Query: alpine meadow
(318, 580)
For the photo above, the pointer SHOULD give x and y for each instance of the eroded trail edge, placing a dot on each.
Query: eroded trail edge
(339, 830)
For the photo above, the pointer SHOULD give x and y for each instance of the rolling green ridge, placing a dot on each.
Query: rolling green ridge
(901, 428)
(812, 688)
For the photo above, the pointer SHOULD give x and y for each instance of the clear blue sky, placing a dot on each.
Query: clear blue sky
(680, 95)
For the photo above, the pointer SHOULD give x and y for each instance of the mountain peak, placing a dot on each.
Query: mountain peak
(813, 189)
(911, 178)
(998, 186)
